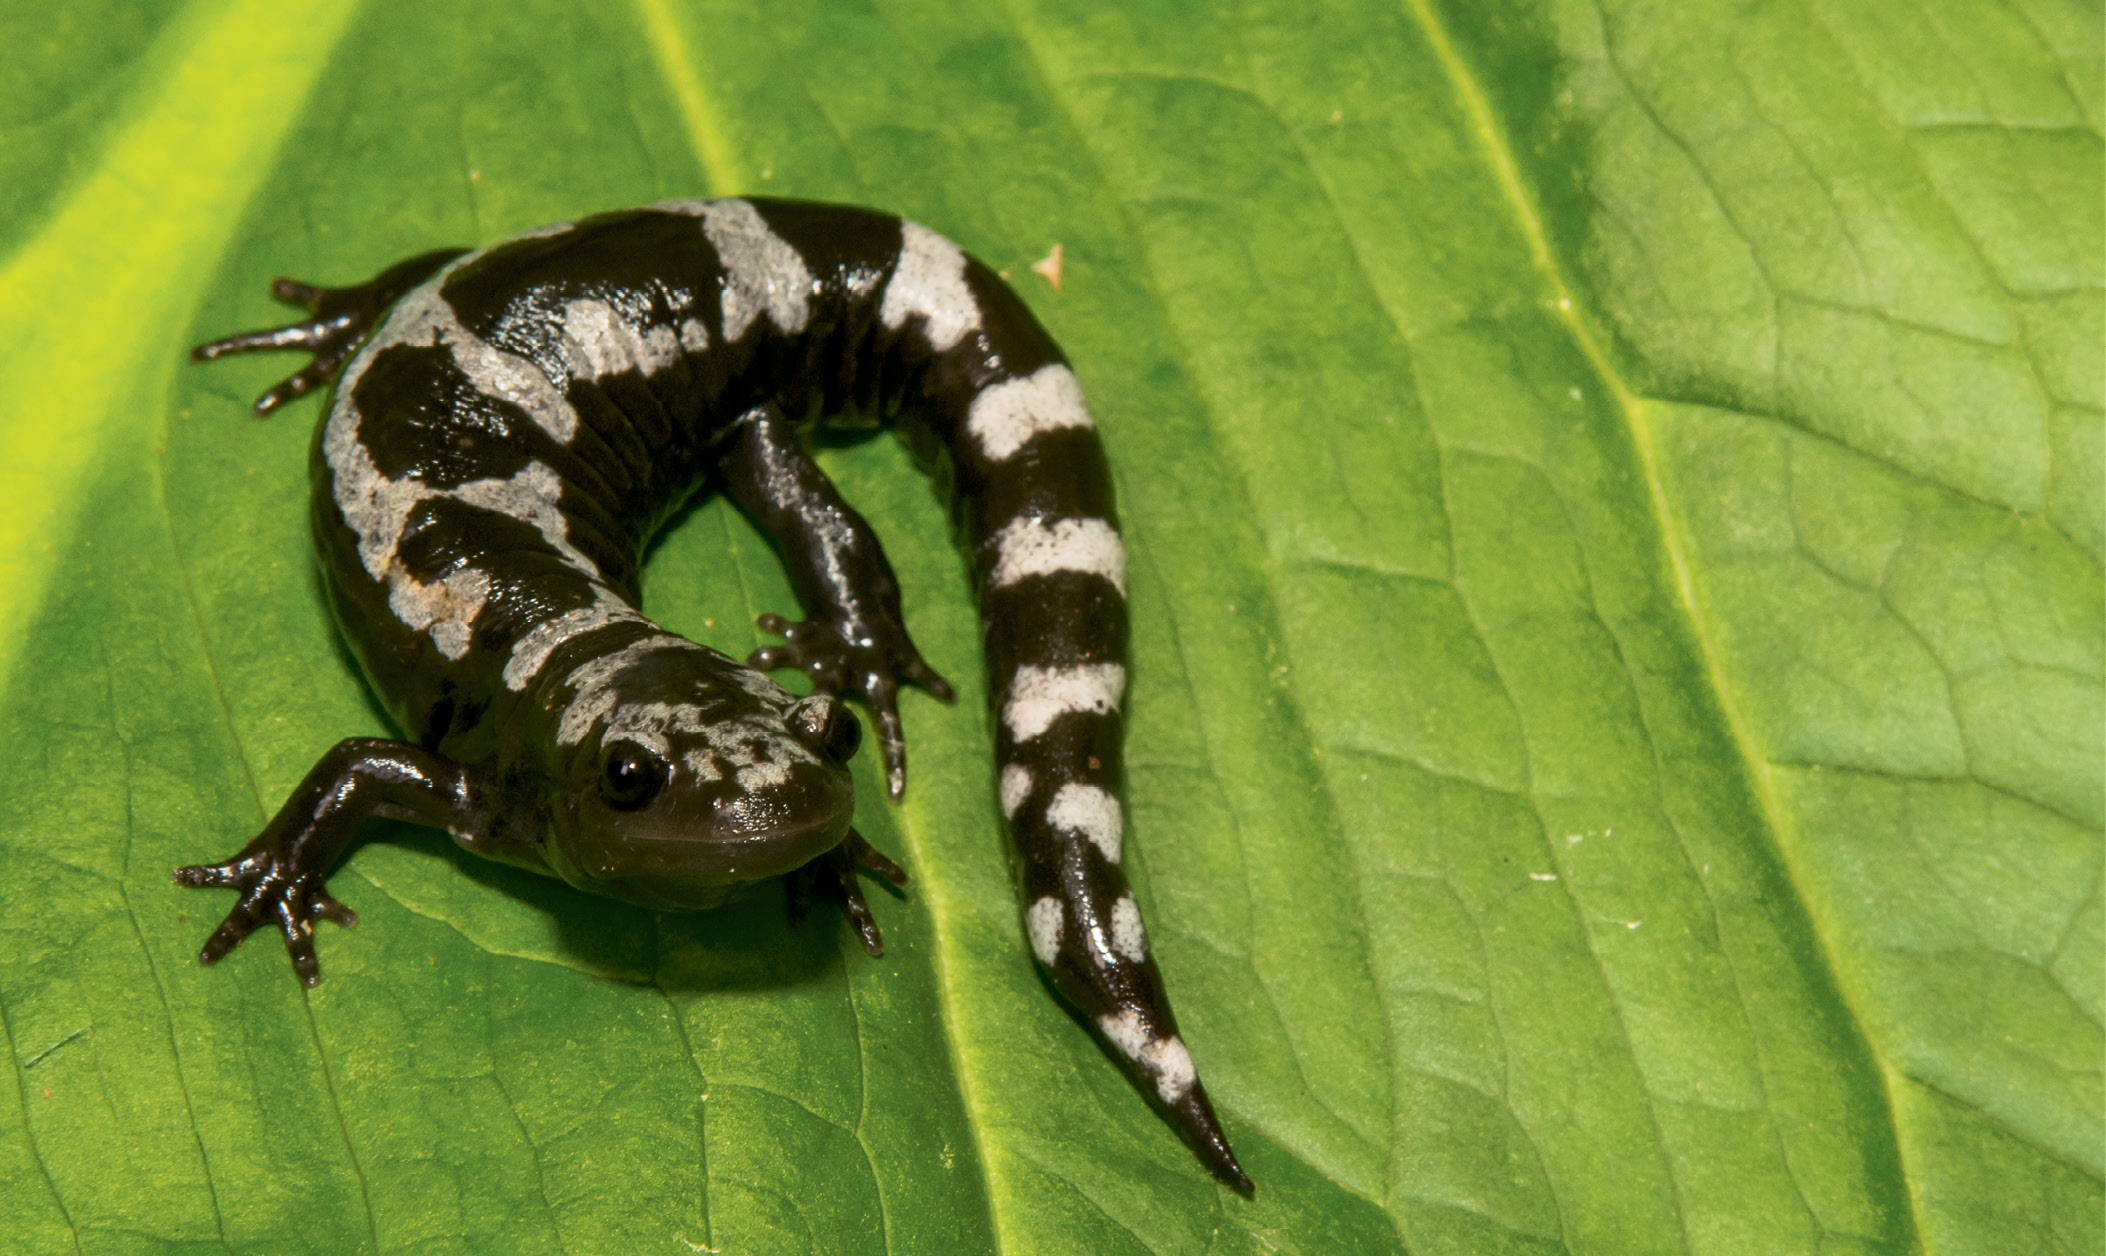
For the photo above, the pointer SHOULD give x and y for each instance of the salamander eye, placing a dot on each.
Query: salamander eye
(844, 732)
(630, 777)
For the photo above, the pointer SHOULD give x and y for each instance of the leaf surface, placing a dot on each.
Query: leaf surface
(1615, 508)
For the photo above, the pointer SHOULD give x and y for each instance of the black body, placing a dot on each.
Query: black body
(515, 431)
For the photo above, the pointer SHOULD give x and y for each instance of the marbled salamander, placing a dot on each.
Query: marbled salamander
(512, 435)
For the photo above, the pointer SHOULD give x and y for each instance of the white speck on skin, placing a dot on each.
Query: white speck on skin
(1033, 547)
(1042, 921)
(694, 337)
(1085, 811)
(1040, 695)
(930, 281)
(1016, 786)
(1128, 938)
(1004, 417)
(762, 273)
(1542, 876)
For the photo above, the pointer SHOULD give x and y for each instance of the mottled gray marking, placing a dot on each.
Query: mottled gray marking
(1034, 547)
(424, 318)
(1040, 695)
(598, 342)
(1016, 786)
(930, 281)
(377, 507)
(1163, 1059)
(757, 750)
(1129, 940)
(761, 686)
(762, 273)
(1005, 416)
(1042, 922)
(446, 609)
(1086, 811)
(592, 683)
(531, 652)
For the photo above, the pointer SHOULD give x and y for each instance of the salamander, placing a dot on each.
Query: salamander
(511, 428)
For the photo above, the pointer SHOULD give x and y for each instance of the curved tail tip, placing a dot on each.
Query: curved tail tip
(1203, 1131)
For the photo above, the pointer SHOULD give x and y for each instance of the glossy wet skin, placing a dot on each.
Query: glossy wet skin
(510, 428)
(691, 789)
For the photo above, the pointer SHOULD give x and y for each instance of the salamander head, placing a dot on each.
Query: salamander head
(696, 778)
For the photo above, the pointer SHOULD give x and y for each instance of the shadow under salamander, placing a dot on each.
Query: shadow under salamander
(747, 944)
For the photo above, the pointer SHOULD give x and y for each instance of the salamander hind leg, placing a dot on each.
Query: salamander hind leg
(342, 317)
(281, 872)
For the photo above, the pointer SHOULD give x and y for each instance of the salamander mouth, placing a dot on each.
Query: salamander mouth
(699, 852)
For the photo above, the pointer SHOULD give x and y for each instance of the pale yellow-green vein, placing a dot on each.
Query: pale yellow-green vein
(92, 309)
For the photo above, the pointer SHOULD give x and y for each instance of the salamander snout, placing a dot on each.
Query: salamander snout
(682, 812)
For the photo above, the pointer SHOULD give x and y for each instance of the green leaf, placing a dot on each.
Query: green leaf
(1616, 499)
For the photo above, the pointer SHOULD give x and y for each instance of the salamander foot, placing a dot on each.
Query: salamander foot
(870, 665)
(273, 888)
(342, 317)
(838, 868)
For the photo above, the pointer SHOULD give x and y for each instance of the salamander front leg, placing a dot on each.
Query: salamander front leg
(855, 641)
(342, 317)
(280, 873)
(837, 868)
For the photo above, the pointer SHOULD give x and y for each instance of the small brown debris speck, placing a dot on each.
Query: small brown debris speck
(1048, 267)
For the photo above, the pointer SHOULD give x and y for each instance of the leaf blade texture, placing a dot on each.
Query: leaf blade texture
(1615, 501)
